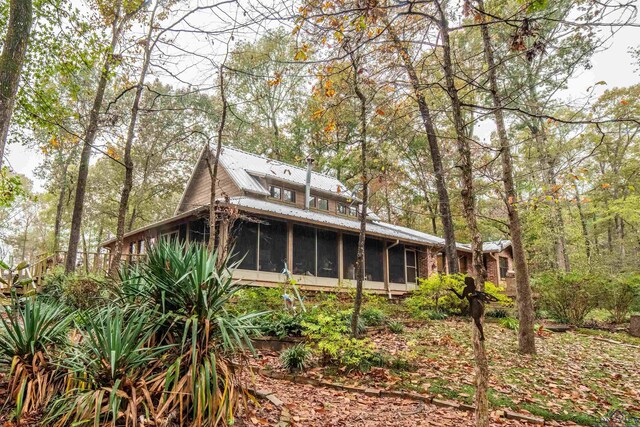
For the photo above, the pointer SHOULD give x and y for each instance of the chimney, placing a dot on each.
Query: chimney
(307, 186)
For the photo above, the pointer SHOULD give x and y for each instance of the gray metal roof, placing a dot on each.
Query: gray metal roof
(243, 167)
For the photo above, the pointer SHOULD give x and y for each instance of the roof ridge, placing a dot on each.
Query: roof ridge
(282, 163)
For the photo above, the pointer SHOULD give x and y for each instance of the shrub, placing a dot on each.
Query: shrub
(433, 294)
(396, 327)
(78, 291)
(354, 354)
(498, 313)
(569, 297)
(372, 316)
(436, 315)
(113, 364)
(620, 296)
(281, 324)
(28, 337)
(295, 358)
(252, 299)
(509, 323)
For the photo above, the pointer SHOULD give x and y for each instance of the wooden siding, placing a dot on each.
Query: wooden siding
(198, 192)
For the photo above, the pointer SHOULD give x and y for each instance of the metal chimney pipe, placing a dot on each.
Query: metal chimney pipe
(307, 186)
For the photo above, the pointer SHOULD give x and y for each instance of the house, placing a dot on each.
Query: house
(315, 241)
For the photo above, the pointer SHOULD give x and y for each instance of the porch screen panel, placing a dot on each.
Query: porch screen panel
(327, 253)
(396, 264)
(245, 244)
(349, 255)
(412, 267)
(199, 230)
(304, 250)
(273, 246)
(374, 269)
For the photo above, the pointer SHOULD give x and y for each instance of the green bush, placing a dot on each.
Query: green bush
(396, 327)
(509, 323)
(78, 291)
(434, 295)
(254, 299)
(372, 316)
(295, 358)
(281, 324)
(621, 295)
(569, 297)
(498, 313)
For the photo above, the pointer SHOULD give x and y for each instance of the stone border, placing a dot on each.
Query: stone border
(395, 394)
(285, 415)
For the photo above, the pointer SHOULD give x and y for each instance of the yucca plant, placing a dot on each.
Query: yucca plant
(29, 335)
(295, 358)
(112, 369)
(192, 287)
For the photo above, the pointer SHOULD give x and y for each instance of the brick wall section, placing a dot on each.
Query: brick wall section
(427, 262)
(492, 269)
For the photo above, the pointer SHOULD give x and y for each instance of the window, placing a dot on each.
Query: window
(170, 236)
(504, 266)
(322, 204)
(349, 255)
(347, 210)
(315, 252)
(412, 266)
(440, 263)
(289, 195)
(462, 264)
(396, 264)
(312, 201)
(276, 192)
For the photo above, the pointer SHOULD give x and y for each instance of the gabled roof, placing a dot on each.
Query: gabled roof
(244, 168)
(487, 247)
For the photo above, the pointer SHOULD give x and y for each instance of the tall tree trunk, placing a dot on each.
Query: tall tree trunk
(213, 160)
(11, 61)
(89, 138)
(128, 161)
(526, 314)
(60, 209)
(469, 208)
(436, 159)
(360, 261)
(583, 225)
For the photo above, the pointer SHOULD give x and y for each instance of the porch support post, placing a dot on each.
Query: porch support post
(290, 246)
(385, 266)
(340, 259)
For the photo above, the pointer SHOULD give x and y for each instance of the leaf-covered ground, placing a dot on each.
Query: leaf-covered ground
(574, 378)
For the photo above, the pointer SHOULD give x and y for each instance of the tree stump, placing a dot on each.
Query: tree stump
(634, 326)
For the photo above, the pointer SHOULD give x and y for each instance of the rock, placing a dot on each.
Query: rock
(522, 417)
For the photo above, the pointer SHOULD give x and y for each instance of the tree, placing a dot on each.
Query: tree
(11, 61)
(118, 16)
(526, 314)
(128, 161)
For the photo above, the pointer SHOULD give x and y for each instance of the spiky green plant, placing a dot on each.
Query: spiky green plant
(29, 335)
(111, 370)
(396, 327)
(295, 358)
(192, 287)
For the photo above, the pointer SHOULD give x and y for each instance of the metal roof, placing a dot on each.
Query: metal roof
(243, 167)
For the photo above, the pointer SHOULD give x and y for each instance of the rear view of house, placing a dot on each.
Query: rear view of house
(315, 240)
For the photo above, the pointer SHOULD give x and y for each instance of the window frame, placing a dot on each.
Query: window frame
(291, 191)
(273, 187)
(407, 266)
(506, 268)
(322, 199)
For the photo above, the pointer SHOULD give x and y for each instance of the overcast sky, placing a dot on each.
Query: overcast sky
(614, 65)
